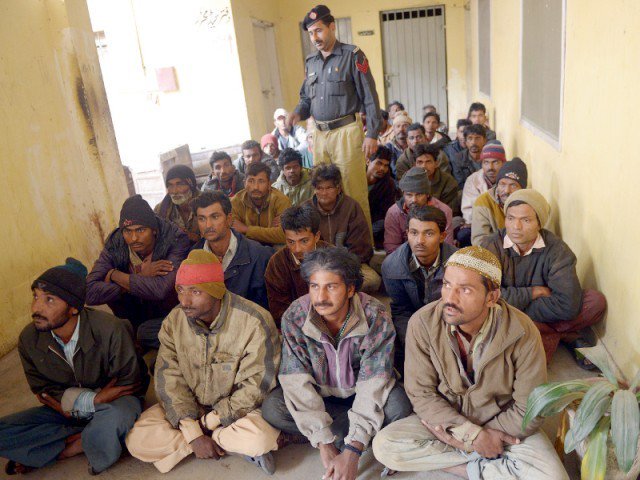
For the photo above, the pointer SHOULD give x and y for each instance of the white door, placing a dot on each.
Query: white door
(415, 65)
(267, 61)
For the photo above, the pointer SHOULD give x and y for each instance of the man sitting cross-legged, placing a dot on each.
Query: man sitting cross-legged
(82, 366)
(284, 282)
(471, 362)
(337, 383)
(218, 359)
(539, 275)
(412, 274)
(244, 261)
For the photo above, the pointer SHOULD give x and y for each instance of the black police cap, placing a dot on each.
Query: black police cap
(319, 12)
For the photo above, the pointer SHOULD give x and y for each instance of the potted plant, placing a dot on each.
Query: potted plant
(607, 407)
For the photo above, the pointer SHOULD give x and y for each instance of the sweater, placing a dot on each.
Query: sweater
(245, 274)
(395, 224)
(148, 297)
(361, 364)
(299, 193)
(475, 186)
(105, 350)
(487, 218)
(345, 226)
(445, 188)
(260, 222)
(284, 281)
(553, 266)
(512, 365)
(462, 165)
(382, 195)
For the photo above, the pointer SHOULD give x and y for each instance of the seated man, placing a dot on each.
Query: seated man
(455, 147)
(218, 360)
(472, 361)
(539, 274)
(175, 206)
(252, 153)
(382, 191)
(257, 208)
(294, 181)
(477, 183)
(468, 161)
(294, 137)
(443, 186)
(478, 116)
(342, 221)
(416, 191)
(301, 226)
(307, 153)
(82, 366)
(224, 176)
(415, 136)
(488, 210)
(269, 145)
(398, 143)
(337, 383)
(412, 274)
(243, 260)
(136, 271)
(431, 123)
(386, 129)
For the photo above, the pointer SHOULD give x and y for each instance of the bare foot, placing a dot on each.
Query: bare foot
(73, 447)
(13, 468)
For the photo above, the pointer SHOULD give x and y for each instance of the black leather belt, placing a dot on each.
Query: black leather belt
(333, 124)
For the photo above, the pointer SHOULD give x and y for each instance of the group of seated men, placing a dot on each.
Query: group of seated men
(257, 293)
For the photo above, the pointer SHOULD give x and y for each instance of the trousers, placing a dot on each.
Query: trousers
(407, 445)
(154, 440)
(36, 436)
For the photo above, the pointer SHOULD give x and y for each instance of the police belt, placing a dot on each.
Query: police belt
(333, 124)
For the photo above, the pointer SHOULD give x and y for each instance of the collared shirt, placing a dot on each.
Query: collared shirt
(508, 243)
(427, 273)
(83, 406)
(339, 85)
(229, 254)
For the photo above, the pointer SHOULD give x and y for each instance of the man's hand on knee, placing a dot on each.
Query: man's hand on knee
(206, 447)
(110, 392)
(444, 436)
(490, 443)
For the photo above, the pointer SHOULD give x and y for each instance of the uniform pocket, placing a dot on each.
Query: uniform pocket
(224, 368)
(337, 87)
(312, 85)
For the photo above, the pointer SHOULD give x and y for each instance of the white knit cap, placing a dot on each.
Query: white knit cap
(479, 260)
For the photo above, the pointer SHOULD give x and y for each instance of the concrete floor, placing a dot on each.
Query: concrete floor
(293, 463)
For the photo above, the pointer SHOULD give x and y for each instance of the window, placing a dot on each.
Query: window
(542, 66)
(484, 47)
(343, 33)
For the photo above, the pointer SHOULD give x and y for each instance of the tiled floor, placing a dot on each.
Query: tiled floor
(293, 463)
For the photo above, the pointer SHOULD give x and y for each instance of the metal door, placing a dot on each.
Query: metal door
(415, 65)
(267, 61)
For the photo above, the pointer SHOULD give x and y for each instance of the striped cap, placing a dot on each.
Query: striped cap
(478, 259)
(493, 149)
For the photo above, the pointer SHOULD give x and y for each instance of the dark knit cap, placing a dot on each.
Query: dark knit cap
(319, 12)
(516, 170)
(416, 180)
(184, 172)
(136, 211)
(67, 282)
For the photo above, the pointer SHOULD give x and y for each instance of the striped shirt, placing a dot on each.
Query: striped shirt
(83, 407)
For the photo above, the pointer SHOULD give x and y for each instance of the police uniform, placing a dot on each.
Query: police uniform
(334, 91)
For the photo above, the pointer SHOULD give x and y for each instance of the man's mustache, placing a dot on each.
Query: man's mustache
(454, 306)
(37, 316)
(323, 304)
(210, 230)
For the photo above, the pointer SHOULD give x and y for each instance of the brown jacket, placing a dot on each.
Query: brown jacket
(284, 281)
(512, 365)
(345, 226)
(260, 223)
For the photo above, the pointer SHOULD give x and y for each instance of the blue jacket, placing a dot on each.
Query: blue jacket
(405, 290)
(245, 274)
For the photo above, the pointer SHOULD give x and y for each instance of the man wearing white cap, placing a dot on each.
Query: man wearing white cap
(471, 362)
(294, 137)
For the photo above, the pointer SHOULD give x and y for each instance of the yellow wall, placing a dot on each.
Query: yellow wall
(365, 15)
(592, 181)
(62, 183)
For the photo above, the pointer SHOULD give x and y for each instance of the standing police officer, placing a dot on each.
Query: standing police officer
(338, 86)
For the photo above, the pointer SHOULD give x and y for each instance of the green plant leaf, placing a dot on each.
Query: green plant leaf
(625, 427)
(551, 398)
(594, 463)
(601, 359)
(593, 406)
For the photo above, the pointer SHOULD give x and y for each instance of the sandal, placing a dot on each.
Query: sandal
(14, 468)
